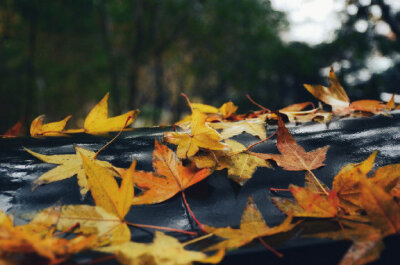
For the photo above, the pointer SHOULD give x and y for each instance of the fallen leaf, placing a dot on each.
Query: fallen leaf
(50, 129)
(381, 208)
(170, 177)
(367, 242)
(34, 238)
(240, 164)
(254, 127)
(98, 122)
(293, 157)
(14, 131)
(334, 95)
(201, 136)
(163, 250)
(252, 226)
(346, 183)
(308, 203)
(104, 188)
(69, 166)
(369, 105)
(94, 220)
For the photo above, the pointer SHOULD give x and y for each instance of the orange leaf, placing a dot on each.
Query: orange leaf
(333, 95)
(308, 203)
(13, 131)
(170, 177)
(293, 157)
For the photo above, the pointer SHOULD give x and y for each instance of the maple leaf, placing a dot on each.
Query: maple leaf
(38, 238)
(98, 122)
(68, 165)
(201, 136)
(252, 226)
(308, 203)
(50, 129)
(293, 157)
(170, 177)
(163, 250)
(94, 220)
(336, 96)
(104, 188)
(14, 131)
(240, 163)
(347, 183)
(367, 242)
(254, 127)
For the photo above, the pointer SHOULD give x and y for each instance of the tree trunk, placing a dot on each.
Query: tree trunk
(30, 65)
(107, 43)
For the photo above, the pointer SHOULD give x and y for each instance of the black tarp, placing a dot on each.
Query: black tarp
(216, 201)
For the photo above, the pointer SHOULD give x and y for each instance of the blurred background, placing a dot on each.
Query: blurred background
(61, 57)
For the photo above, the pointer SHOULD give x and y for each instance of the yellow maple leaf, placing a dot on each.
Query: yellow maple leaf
(163, 250)
(69, 165)
(50, 129)
(201, 136)
(252, 226)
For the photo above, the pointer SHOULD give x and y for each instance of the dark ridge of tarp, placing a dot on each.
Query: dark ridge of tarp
(217, 201)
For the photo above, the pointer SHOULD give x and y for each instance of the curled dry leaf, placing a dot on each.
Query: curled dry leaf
(50, 129)
(68, 166)
(252, 226)
(336, 96)
(98, 122)
(293, 157)
(163, 250)
(255, 126)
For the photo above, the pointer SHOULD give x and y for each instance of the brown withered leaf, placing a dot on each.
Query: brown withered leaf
(169, 178)
(252, 226)
(293, 157)
(14, 131)
(367, 242)
(334, 95)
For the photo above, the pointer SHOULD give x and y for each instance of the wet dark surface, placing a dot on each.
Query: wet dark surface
(217, 201)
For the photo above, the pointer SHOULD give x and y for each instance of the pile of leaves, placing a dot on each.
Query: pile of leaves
(361, 206)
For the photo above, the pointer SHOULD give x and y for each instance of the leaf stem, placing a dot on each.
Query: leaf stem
(259, 142)
(274, 189)
(113, 139)
(255, 103)
(187, 101)
(318, 182)
(162, 228)
(191, 213)
(197, 239)
(277, 253)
